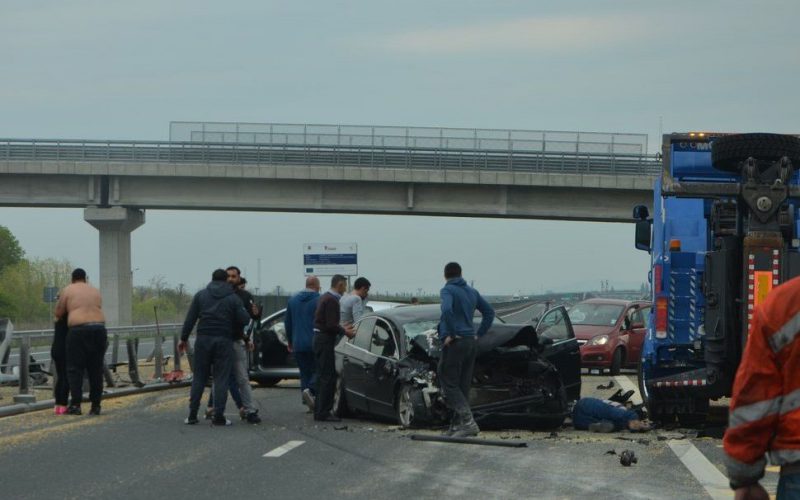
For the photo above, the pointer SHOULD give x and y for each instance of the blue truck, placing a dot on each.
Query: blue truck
(725, 230)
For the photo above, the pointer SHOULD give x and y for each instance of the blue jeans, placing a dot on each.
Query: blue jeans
(789, 487)
(308, 371)
(592, 410)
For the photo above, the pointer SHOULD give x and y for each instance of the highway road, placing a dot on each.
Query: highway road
(139, 448)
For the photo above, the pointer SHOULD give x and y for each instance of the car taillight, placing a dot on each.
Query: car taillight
(661, 318)
(657, 278)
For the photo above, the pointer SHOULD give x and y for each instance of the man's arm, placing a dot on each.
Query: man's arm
(358, 309)
(191, 319)
(755, 405)
(488, 315)
(448, 314)
(287, 323)
(61, 305)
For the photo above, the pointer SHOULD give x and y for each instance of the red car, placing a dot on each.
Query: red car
(610, 332)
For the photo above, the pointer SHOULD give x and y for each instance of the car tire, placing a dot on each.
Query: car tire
(404, 407)
(616, 362)
(728, 151)
(340, 408)
(268, 382)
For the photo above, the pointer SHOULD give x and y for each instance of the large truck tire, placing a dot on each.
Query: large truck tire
(729, 150)
(697, 416)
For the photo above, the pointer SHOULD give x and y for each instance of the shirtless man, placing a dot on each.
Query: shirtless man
(87, 340)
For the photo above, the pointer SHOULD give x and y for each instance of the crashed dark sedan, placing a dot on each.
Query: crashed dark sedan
(522, 378)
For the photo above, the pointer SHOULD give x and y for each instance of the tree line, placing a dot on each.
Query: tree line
(23, 282)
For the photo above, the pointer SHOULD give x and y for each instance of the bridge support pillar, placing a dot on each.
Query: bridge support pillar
(116, 281)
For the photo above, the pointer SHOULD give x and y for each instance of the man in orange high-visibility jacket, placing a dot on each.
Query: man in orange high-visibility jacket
(765, 408)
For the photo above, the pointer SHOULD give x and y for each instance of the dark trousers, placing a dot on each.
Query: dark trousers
(217, 352)
(455, 374)
(308, 370)
(86, 350)
(233, 387)
(58, 353)
(326, 373)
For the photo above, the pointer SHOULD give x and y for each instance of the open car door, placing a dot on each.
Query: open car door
(564, 352)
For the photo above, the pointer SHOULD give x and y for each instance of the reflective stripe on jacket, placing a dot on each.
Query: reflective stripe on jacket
(764, 416)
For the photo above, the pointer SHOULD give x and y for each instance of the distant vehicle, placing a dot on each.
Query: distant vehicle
(723, 234)
(270, 362)
(521, 378)
(610, 332)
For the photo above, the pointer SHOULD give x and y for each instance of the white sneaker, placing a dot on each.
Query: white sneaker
(308, 399)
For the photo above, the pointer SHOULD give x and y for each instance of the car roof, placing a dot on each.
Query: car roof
(616, 302)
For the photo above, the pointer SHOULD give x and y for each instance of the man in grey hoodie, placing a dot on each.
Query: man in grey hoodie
(219, 314)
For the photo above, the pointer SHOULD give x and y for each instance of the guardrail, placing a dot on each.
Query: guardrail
(336, 155)
(23, 341)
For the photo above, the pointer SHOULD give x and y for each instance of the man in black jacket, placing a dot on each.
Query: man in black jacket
(219, 313)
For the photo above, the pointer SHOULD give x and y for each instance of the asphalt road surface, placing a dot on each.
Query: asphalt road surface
(139, 448)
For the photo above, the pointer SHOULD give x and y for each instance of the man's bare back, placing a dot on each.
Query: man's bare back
(81, 303)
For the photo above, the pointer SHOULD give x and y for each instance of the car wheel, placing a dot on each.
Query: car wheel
(404, 407)
(339, 401)
(616, 362)
(268, 382)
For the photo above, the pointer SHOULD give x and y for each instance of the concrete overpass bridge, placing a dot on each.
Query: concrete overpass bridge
(328, 169)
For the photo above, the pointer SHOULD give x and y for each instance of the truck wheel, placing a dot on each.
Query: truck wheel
(656, 409)
(616, 362)
(727, 151)
(698, 414)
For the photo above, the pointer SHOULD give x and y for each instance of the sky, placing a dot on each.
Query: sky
(123, 70)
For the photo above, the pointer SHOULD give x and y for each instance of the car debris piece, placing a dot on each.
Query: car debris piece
(609, 386)
(627, 458)
(484, 442)
(611, 452)
(340, 428)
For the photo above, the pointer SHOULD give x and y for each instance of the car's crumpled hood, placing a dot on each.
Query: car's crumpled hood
(499, 335)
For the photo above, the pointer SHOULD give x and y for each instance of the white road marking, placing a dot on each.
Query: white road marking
(714, 482)
(284, 449)
(626, 385)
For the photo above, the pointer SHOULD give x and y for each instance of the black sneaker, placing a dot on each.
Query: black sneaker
(191, 420)
(253, 418)
(221, 421)
(95, 410)
(74, 410)
(327, 418)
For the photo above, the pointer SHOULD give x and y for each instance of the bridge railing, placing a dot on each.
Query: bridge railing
(377, 156)
(25, 356)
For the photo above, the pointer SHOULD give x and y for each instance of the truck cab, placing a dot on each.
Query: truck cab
(723, 233)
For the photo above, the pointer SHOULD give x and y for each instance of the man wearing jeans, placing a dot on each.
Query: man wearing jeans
(299, 323)
(218, 313)
(457, 334)
(241, 345)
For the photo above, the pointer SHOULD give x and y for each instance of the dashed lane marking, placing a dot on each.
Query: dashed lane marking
(284, 449)
(714, 482)
(626, 385)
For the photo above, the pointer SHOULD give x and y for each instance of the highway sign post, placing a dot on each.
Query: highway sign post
(327, 259)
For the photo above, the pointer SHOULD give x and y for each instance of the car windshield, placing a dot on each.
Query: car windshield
(595, 314)
(416, 328)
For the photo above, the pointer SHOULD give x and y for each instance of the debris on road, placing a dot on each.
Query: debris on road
(484, 442)
(609, 386)
(611, 452)
(627, 458)
(340, 428)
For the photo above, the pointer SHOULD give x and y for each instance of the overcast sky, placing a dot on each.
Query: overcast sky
(124, 70)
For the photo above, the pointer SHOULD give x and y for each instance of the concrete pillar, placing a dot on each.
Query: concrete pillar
(116, 283)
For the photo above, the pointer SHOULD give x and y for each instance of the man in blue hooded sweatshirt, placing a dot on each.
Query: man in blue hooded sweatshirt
(457, 333)
(299, 323)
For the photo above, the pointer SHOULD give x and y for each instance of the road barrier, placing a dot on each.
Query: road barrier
(19, 370)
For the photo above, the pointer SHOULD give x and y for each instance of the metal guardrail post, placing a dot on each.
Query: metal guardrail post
(159, 357)
(176, 360)
(25, 395)
(115, 351)
(133, 363)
